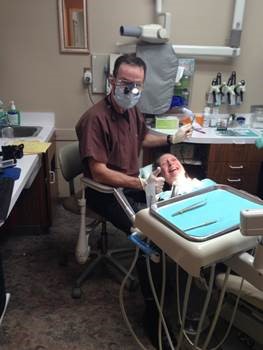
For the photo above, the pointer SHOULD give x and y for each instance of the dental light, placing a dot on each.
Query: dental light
(131, 88)
(153, 33)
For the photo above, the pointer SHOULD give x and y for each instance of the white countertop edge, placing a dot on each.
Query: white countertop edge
(28, 163)
(210, 136)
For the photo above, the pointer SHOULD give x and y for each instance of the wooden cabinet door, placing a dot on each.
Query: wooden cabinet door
(34, 208)
(228, 153)
(49, 164)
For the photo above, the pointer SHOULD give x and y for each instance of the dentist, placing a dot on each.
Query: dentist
(111, 136)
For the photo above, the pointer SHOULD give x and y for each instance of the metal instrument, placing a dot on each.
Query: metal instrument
(190, 207)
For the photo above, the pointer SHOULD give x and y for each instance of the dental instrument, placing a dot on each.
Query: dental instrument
(201, 225)
(199, 130)
(190, 207)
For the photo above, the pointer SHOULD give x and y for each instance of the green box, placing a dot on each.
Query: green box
(166, 122)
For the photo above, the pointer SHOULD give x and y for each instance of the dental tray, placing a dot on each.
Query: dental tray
(216, 212)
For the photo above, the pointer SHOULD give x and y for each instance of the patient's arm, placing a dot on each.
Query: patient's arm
(102, 174)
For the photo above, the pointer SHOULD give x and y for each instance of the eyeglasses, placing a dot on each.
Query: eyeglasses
(129, 85)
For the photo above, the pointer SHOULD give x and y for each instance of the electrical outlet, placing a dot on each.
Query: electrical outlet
(87, 76)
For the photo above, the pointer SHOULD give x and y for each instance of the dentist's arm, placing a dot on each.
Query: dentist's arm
(102, 174)
(153, 140)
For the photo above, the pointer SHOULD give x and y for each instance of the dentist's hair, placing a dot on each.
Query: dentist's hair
(130, 59)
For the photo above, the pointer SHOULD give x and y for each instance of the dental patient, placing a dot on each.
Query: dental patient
(177, 181)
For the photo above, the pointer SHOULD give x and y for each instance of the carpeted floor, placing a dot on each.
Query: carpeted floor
(41, 313)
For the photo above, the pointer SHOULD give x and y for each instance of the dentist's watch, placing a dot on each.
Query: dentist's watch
(169, 139)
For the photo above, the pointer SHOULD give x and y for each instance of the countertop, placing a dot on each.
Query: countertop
(29, 164)
(211, 136)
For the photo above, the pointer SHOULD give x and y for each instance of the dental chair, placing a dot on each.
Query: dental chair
(71, 167)
(249, 315)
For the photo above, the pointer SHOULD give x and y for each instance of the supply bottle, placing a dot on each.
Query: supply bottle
(13, 114)
(2, 113)
(207, 117)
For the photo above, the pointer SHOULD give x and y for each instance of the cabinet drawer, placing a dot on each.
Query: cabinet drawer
(245, 183)
(237, 174)
(241, 168)
(235, 181)
(235, 152)
(218, 169)
(228, 153)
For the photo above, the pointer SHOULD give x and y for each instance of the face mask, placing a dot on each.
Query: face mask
(126, 101)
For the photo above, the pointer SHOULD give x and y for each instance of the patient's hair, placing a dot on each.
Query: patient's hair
(130, 59)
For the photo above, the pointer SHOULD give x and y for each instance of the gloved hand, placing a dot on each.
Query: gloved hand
(154, 182)
(182, 133)
(158, 181)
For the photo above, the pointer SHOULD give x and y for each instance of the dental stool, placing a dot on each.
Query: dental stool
(71, 167)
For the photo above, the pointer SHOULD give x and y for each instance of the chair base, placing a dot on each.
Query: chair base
(105, 258)
(7, 298)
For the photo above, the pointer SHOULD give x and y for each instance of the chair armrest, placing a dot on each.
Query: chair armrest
(97, 186)
(117, 192)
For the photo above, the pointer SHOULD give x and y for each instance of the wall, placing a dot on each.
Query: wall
(39, 78)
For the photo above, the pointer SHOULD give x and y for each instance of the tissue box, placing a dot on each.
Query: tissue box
(169, 122)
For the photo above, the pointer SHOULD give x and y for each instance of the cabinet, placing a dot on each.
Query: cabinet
(34, 209)
(237, 165)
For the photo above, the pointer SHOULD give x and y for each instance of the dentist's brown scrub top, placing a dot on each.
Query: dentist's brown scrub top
(111, 138)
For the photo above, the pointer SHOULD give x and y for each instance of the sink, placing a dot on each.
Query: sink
(23, 131)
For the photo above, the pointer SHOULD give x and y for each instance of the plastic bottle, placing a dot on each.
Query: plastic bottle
(2, 113)
(206, 115)
(13, 114)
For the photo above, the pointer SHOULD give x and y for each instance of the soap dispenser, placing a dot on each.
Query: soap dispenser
(13, 114)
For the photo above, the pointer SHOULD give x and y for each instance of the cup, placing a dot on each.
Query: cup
(199, 118)
(222, 124)
(186, 120)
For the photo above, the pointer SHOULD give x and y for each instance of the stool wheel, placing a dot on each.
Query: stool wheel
(76, 293)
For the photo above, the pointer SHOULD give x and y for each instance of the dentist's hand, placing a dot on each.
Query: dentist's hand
(158, 181)
(182, 133)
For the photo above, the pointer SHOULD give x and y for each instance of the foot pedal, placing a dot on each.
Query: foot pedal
(148, 248)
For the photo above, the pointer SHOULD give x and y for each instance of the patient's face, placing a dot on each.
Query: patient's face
(171, 168)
